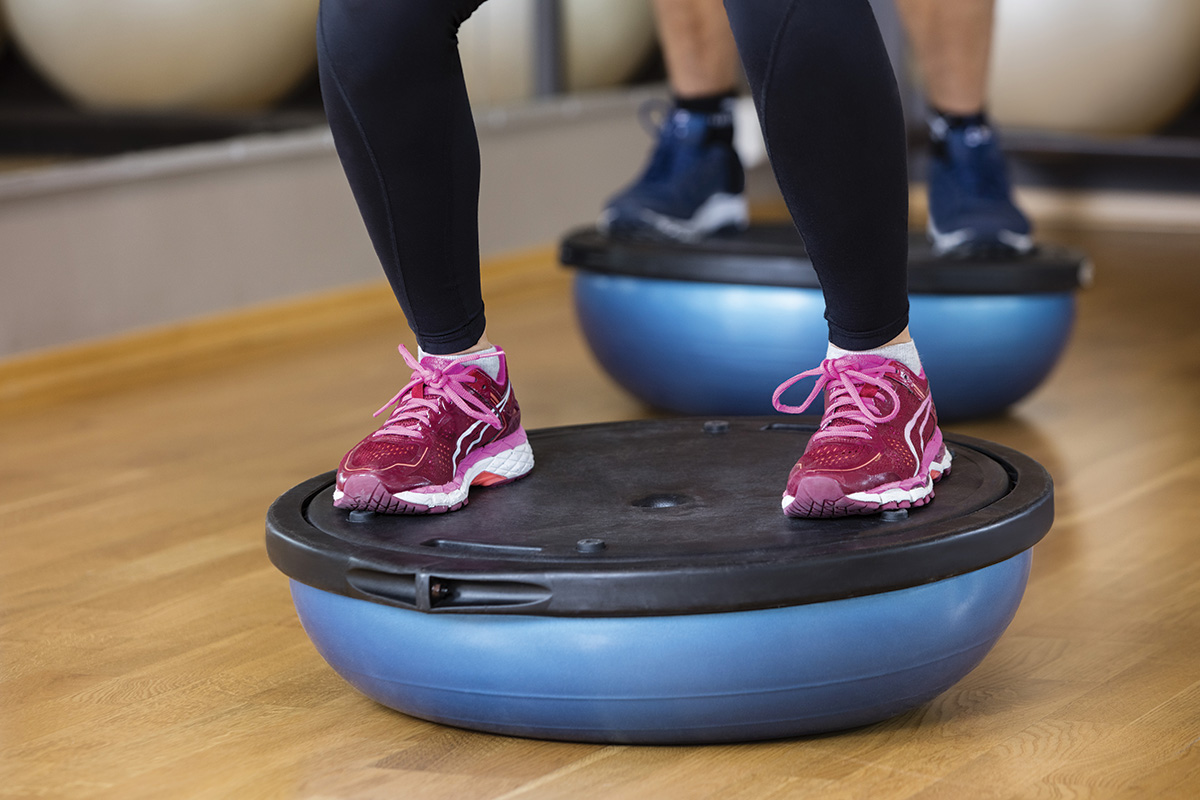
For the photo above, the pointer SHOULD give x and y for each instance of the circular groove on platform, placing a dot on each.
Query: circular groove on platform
(677, 521)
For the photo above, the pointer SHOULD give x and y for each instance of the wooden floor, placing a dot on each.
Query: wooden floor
(149, 650)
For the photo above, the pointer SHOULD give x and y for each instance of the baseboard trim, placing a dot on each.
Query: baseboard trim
(217, 341)
(162, 352)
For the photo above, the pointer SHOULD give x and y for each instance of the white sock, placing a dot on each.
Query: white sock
(487, 360)
(905, 353)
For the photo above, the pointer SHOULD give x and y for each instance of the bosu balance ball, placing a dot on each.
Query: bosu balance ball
(713, 327)
(641, 585)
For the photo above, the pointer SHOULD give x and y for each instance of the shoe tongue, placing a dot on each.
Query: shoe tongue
(487, 361)
(860, 361)
(443, 363)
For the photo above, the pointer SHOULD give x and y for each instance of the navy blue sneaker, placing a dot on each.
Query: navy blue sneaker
(971, 211)
(693, 186)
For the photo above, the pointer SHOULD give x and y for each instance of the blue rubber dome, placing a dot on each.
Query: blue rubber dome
(714, 327)
(642, 585)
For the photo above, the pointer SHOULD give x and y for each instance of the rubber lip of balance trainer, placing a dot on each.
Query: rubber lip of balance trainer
(774, 255)
(656, 518)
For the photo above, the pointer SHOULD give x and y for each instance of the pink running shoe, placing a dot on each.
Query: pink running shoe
(878, 446)
(453, 427)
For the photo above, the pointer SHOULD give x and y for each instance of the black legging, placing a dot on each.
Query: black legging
(830, 110)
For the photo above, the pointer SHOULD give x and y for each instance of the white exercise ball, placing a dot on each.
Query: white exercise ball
(1094, 66)
(604, 41)
(168, 54)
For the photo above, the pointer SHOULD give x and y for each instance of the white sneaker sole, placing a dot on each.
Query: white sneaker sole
(365, 492)
(717, 212)
(949, 241)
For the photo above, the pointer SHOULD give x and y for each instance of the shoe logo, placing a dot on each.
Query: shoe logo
(977, 135)
(462, 446)
(907, 380)
(938, 128)
(921, 427)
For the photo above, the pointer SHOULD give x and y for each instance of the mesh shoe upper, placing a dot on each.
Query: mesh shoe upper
(686, 170)
(879, 431)
(445, 411)
(970, 198)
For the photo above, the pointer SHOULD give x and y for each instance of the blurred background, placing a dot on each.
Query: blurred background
(163, 159)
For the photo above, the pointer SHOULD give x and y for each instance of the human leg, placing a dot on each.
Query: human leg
(397, 105)
(834, 129)
(952, 42)
(971, 210)
(693, 184)
(831, 117)
(698, 47)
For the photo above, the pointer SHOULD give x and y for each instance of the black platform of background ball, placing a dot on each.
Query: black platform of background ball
(658, 518)
(773, 254)
(712, 327)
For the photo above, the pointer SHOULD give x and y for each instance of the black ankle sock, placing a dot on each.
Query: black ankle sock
(959, 121)
(719, 107)
(705, 103)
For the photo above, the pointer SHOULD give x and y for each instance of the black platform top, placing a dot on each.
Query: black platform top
(774, 255)
(661, 517)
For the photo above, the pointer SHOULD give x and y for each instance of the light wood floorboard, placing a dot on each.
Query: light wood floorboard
(149, 650)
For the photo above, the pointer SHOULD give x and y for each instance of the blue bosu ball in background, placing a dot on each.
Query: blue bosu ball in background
(714, 327)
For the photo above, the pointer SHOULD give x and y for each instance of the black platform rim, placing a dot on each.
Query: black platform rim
(1000, 530)
(1049, 269)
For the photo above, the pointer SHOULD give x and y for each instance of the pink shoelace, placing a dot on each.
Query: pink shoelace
(846, 405)
(438, 383)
